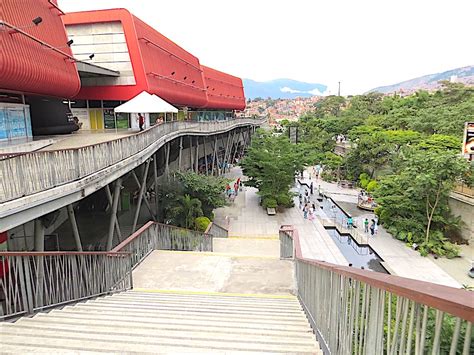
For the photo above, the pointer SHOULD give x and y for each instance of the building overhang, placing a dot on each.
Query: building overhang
(89, 70)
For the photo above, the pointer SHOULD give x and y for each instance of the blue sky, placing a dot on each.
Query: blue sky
(363, 44)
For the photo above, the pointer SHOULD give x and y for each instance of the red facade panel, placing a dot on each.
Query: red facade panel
(162, 67)
(113, 92)
(172, 73)
(223, 90)
(25, 64)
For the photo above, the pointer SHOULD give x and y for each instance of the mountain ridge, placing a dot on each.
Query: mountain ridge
(430, 81)
(282, 89)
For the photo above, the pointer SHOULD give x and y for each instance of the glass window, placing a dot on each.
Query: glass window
(111, 104)
(109, 118)
(78, 103)
(95, 104)
(123, 120)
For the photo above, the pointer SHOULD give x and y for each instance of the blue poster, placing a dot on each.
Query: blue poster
(16, 121)
(3, 124)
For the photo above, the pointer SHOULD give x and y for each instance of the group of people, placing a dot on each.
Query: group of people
(230, 192)
(372, 226)
(309, 209)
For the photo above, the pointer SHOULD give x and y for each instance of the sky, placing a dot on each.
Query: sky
(363, 43)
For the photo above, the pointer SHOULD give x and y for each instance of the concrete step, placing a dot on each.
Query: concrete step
(195, 333)
(85, 318)
(290, 301)
(181, 316)
(212, 297)
(134, 343)
(15, 347)
(164, 309)
(185, 314)
(190, 306)
(301, 332)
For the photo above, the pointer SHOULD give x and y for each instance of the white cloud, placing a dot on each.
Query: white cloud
(292, 91)
(363, 44)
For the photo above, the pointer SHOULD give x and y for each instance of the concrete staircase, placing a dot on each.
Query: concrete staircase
(166, 322)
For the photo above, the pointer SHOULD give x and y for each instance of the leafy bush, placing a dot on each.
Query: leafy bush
(201, 223)
(284, 200)
(371, 186)
(269, 202)
(363, 180)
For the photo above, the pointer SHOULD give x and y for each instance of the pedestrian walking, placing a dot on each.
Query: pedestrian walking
(311, 187)
(372, 227)
(350, 223)
(305, 211)
(366, 225)
(301, 201)
(311, 213)
(141, 122)
(376, 227)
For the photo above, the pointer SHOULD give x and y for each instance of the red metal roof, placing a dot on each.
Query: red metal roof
(223, 90)
(26, 65)
(162, 67)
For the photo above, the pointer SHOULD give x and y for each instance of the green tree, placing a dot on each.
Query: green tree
(186, 211)
(206, 188)
(271, 164)
(414, 202)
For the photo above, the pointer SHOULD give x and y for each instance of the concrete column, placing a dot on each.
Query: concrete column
(75, 230)
(191, 151)
(39, 276)
(140, 196)
(110, 200)
(196, 161)
(205, 155)
(113, 216)
(180, 152)
(155, 176)
(39, 235)
(167, 159)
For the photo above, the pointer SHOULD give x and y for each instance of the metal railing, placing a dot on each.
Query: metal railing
(463, 189)
(362, 312)
(23, 174)
(216, 230)
(32, 281)
(157, 236)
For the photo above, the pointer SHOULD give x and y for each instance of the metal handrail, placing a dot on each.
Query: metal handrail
(364, 312)
(216, 230)
(41, 170)
(32, 281)
(159, 236)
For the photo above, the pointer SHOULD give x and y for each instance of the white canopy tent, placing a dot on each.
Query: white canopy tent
(146, 103)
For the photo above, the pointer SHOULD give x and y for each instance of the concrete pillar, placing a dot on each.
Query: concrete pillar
(39, 235)
(75, 230)
(113, 216)
(39, 276)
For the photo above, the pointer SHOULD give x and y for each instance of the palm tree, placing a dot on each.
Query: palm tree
(187, 211)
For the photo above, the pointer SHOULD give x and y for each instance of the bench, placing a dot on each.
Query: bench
(271, 211)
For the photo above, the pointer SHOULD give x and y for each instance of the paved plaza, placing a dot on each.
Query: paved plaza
(246, 218)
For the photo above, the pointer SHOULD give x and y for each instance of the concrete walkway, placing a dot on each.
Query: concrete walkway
(398, 258)
(245, 218)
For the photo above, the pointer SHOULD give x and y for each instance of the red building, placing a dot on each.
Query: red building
(98, 60)
(35, 61)
(146, 61)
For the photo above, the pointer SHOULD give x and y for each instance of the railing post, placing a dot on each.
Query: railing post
(26, 287)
